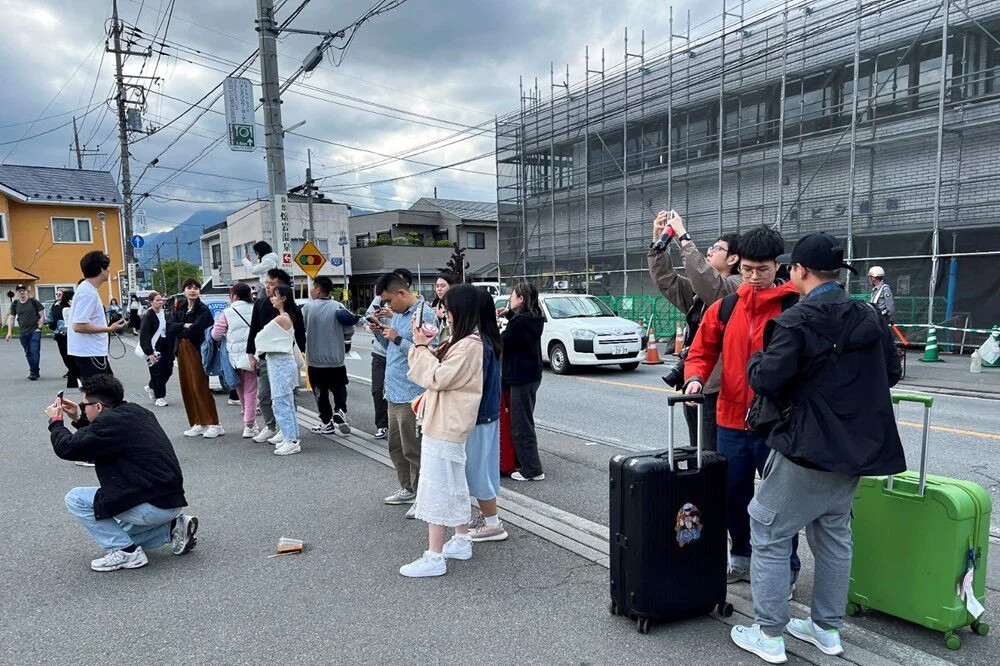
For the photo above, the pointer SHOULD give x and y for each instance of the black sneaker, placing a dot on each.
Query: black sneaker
(33, 378)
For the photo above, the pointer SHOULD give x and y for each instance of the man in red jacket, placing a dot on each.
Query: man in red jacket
(737, 338)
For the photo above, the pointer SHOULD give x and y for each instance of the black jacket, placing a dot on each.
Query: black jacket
(147, 328)
(199, 316)
(522, 350)
(264, 312)
(830, 361)
(132, 456)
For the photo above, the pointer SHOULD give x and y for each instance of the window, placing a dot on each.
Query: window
(216, 257)
(604, 158)
(245, 249)
(808, 105)
(47, 292)
(927, 89)
(892, 81)
(362, 240)
(475, 240)
(694, 132)
(3, 227)
(440, 235)
(71, 230)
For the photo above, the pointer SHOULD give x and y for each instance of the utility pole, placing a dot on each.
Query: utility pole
(177, 255)
(163, 276)
(309, 194)
(76, 144)
(116, 33)
(271, 99)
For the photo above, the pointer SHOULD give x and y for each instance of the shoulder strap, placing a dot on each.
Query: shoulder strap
(727, 307)
(241, 316)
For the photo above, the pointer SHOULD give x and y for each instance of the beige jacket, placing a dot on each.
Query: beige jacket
(454, 388)
(702, 280)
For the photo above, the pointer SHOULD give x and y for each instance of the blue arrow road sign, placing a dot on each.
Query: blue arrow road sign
(137, 241)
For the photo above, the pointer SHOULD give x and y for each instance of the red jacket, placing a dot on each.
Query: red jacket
(744, 337)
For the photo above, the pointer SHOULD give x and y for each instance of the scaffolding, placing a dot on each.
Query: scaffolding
(871, 119)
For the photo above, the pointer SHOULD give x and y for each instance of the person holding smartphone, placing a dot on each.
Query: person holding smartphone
(87, 332)
(139, 502)
(378, 317)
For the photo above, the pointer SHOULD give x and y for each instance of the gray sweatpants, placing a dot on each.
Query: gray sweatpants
(264, 394)
(789, 498)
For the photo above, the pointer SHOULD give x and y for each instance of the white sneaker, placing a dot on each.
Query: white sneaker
(401, 496)
(457, 548)
(340, 420)
(230, 401)
(195, 431)
(381, 433)
(119, 559)
(277, 439)
(517, 476)
(287, 447)
(249, 431)
(149, 392)
(827, 640)
(411, 513)
(213, 431)
(182, 531)
(264, 435)
(428, 564)
(160, 402)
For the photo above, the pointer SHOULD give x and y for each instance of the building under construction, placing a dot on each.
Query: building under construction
(834, 115)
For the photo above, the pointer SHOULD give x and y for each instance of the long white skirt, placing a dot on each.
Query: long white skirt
(443, 493)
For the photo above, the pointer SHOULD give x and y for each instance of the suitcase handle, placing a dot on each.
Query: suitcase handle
(927, 401)
(699, 400)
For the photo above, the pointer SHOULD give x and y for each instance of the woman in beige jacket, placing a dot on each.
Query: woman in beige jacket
(453, 377)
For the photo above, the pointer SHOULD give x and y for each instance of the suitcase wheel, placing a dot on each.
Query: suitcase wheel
(613, 609)
(725, 609)
(642, 625)
(853, 610)
(980, 628)
(952, 641)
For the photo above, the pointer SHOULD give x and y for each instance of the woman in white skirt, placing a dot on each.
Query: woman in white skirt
(453, 377)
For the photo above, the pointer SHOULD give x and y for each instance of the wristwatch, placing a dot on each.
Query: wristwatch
(685, 237)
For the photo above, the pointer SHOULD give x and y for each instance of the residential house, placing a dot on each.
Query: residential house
(421, 240)
(215, 256)
(51, 217)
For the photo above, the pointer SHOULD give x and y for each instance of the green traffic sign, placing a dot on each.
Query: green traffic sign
(241, 136)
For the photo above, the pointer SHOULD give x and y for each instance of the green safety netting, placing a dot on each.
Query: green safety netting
(649, 309)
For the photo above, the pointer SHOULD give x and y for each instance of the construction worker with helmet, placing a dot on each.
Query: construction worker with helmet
(881, 293)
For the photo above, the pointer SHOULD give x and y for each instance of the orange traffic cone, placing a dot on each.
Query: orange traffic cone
(652, 352)
(678, 340)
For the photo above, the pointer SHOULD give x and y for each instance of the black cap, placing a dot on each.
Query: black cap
(21, 287)
(819, 251)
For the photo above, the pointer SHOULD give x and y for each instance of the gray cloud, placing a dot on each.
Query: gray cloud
(457, 60)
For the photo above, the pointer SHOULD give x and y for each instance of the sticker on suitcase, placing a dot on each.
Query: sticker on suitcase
(688, 527)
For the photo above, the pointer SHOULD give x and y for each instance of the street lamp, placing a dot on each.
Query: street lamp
(343, 242)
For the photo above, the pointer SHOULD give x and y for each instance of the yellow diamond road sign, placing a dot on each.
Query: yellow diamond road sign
(310, 259)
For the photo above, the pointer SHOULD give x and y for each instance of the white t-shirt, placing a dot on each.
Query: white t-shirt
(87, 308)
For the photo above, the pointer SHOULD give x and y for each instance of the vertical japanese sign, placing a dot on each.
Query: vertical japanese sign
(139, 222)
(239, 113)
(285, 237)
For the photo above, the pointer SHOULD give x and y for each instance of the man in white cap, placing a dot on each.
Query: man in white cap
(881, 293)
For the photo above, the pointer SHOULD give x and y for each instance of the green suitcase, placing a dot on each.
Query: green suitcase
(915, 537)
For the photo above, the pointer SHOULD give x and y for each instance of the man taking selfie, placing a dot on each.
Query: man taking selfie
(138, 504)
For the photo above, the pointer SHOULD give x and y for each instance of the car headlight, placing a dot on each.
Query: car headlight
(583, 334)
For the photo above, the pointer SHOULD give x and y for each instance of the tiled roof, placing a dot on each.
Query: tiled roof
(485, 211)
(57, 185)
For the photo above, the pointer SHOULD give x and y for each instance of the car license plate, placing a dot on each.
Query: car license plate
(620, 350)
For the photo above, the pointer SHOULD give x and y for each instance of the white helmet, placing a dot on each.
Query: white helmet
(876, 271)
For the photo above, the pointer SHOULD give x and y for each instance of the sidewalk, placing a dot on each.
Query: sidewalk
(951, 375)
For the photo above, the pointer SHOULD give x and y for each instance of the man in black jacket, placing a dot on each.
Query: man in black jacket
(139, 501)
(827, 365)
(263, 313)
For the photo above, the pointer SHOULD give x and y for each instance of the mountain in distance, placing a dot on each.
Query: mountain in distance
(360, 211)
(186, 233)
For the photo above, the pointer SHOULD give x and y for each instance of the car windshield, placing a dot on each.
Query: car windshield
(569, 307)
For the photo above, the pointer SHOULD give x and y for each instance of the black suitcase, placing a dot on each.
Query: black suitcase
(668, 532)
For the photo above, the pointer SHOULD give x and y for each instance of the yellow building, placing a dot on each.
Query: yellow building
(49, 219)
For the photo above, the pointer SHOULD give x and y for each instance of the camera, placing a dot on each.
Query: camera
(675, 376)
(114, 316)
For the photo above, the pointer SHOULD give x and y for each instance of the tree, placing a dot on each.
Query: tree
(457, 264)
(171, 269)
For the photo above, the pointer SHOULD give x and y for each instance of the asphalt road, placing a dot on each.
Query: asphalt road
(522, 601)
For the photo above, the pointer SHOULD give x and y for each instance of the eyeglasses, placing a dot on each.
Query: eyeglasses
(718, 248)
(756, 271)
(81, 405)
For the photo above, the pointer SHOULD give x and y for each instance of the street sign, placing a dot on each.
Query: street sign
(137, 253)
(139, 222)
(336, 261)
(240, 113)
(130, 287)
(284, 234)
(310, 259)
(137, 241)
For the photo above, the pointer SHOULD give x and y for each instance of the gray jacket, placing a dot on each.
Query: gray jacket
(701, 280)
(329, 326)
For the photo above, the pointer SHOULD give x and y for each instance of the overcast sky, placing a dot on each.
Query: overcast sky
(456, 62)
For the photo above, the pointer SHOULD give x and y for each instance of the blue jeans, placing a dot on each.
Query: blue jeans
(144, 525)
(746, 452)
(285, 415)
(32, 343)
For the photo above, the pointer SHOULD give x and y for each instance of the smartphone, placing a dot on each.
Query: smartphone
(373, 321)
(59, 396)
(420, 321)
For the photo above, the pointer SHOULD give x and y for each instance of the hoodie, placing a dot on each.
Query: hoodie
(522, 350)
(829, 363)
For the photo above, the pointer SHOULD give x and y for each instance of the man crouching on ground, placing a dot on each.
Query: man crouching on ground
(139, 501)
